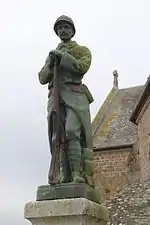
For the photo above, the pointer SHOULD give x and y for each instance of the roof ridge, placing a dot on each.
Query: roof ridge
(120, 89)
(141, 101)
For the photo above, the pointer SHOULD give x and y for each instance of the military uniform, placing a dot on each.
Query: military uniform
(74, 106)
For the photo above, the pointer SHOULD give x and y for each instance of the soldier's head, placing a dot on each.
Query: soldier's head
(64, 28)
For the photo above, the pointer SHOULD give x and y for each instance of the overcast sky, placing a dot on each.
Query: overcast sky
(118, 35)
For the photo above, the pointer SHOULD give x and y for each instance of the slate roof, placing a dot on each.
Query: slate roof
(141, 101)
(112, 125)
(131, 205)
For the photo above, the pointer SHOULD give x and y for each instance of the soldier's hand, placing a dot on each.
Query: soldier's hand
(56, 53)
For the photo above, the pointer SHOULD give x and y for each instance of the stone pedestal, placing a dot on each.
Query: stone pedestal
(73, 211)
(65, 191)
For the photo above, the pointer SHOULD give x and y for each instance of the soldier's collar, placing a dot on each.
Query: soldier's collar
(68, 45)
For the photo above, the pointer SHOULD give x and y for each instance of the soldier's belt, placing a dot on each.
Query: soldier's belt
(77, 87)
(82, 88)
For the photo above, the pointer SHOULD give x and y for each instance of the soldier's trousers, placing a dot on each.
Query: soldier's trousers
(70, 158)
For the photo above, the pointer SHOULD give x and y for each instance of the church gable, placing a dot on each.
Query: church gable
(112, 125)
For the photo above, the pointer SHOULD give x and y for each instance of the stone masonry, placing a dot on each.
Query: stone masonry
(141, 117)
(115, 167)
(144, 142)
(111, 170)
(73, 211)
(128, 198)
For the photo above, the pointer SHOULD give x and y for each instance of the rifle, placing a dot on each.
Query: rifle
(55, 147)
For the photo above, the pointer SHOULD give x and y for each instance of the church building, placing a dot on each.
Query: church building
(121, 135)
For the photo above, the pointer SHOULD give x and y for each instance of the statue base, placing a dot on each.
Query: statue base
(78, 211)
(66, 191)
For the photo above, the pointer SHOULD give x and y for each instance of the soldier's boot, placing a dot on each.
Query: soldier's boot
(74, 155)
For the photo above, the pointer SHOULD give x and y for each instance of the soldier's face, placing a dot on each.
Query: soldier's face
(65, 31)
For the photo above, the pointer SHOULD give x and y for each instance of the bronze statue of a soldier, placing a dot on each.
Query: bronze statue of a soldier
(68, 107)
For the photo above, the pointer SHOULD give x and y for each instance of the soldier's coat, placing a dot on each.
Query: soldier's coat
(74, 63)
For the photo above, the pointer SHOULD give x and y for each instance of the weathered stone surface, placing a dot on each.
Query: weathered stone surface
(111, 171)
(65, 191)
(131, 206)
(143, 142)
(112, 125)
(77, 211)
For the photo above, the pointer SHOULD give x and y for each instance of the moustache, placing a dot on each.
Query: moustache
(63, 33)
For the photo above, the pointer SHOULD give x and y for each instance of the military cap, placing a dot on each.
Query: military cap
(66, 19)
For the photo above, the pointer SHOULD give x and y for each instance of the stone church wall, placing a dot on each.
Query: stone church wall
(143, 142)
(114, 169)
(111, 170)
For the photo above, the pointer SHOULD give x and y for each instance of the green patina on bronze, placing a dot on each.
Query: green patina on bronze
(75, 98)
(70, 190)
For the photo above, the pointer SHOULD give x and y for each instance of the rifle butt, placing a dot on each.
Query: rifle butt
(54, 170)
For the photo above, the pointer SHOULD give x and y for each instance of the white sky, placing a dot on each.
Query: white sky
(118, 35)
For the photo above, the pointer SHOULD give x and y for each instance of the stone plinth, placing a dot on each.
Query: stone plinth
(65, 191)
(74, 211)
